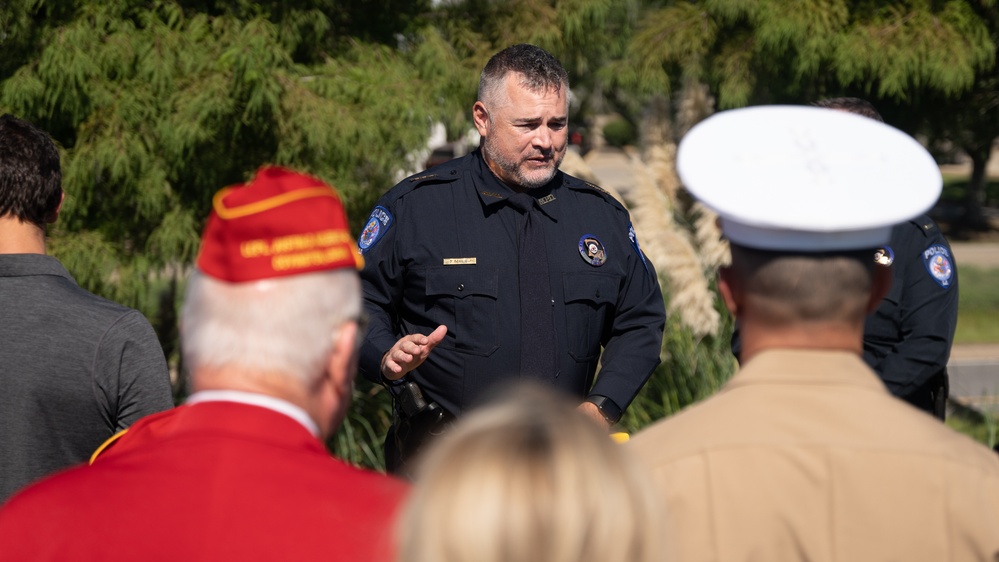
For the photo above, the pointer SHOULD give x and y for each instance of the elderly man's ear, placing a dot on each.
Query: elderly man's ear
(343, 361)
(337, 384)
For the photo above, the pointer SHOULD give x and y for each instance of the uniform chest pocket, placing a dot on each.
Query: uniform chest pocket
(463, 298)
(589, 299)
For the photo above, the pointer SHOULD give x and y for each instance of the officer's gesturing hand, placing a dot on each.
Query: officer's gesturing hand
(410, 352)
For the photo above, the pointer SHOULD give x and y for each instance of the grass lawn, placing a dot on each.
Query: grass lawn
(981, 428)
(977, 322)
(978, 306)
(955, 187)
(981, 424)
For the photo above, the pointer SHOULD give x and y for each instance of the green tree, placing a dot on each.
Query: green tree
(771, 50)
(969, 121)
(932, 61)
(158, 108)
(588, 36)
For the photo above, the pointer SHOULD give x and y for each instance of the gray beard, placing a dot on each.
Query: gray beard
(512, 169)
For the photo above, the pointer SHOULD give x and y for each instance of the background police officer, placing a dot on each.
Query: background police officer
(497, 266)
(907, 339)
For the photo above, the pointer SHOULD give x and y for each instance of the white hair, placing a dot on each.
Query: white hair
(284, 325)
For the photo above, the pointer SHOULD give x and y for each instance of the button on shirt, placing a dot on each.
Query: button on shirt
(441, 248)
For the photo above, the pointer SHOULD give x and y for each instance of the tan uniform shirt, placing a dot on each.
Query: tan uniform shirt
(803, 455)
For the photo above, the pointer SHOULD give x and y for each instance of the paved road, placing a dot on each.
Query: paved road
(983, 255)
(974, 375)
(974, 369)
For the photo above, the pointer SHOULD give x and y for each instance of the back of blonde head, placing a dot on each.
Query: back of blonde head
(529, 479)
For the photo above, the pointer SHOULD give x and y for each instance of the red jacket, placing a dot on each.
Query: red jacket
(210, 481)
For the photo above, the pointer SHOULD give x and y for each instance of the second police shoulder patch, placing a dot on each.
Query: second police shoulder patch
(378, 223)
(939, 264)
(634, 244)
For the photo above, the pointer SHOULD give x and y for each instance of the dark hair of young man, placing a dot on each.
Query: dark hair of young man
(30, 176)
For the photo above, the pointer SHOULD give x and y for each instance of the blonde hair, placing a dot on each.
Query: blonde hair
(529, 479)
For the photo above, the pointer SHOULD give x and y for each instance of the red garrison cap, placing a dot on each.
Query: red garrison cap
(279, 223)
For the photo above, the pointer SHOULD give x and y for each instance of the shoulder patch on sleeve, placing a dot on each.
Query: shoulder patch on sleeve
(376, 226)
(634, 244)
(939, 264)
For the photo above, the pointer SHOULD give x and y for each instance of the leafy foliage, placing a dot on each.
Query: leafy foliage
(360, 440)
(159, 108)
(692, 368)
(619, 132)
(774, 50)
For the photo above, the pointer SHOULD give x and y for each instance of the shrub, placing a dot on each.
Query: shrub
(693, 368)
(619, 132)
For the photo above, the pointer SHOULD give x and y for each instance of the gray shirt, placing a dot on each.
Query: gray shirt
(74, 369)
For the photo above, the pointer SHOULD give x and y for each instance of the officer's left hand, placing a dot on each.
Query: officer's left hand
(592, 412)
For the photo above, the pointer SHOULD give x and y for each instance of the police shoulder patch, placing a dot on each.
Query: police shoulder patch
(939, 264)
(634, 244)
(378, 223)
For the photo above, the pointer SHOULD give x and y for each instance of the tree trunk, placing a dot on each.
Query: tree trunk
(974, 200)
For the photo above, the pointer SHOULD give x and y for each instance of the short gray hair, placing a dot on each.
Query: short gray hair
(806, 287)
(540, 69)
(283, 325)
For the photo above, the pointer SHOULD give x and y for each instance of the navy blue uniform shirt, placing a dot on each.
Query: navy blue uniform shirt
(907, 339)
(441, 248)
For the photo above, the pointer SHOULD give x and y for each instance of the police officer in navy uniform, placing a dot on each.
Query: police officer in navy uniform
(907, 339)
(469, 283)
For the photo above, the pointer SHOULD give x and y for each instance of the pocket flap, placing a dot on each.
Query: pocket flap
(461, 281)
(594, 287)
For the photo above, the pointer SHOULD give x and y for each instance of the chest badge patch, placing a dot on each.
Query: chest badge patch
(375, 228)
(884, 256)
(592, 250)
(938, 263)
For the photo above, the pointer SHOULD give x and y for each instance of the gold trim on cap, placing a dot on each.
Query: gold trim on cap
(266, 204)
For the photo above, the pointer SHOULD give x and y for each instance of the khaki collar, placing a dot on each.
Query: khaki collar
(806, 367)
